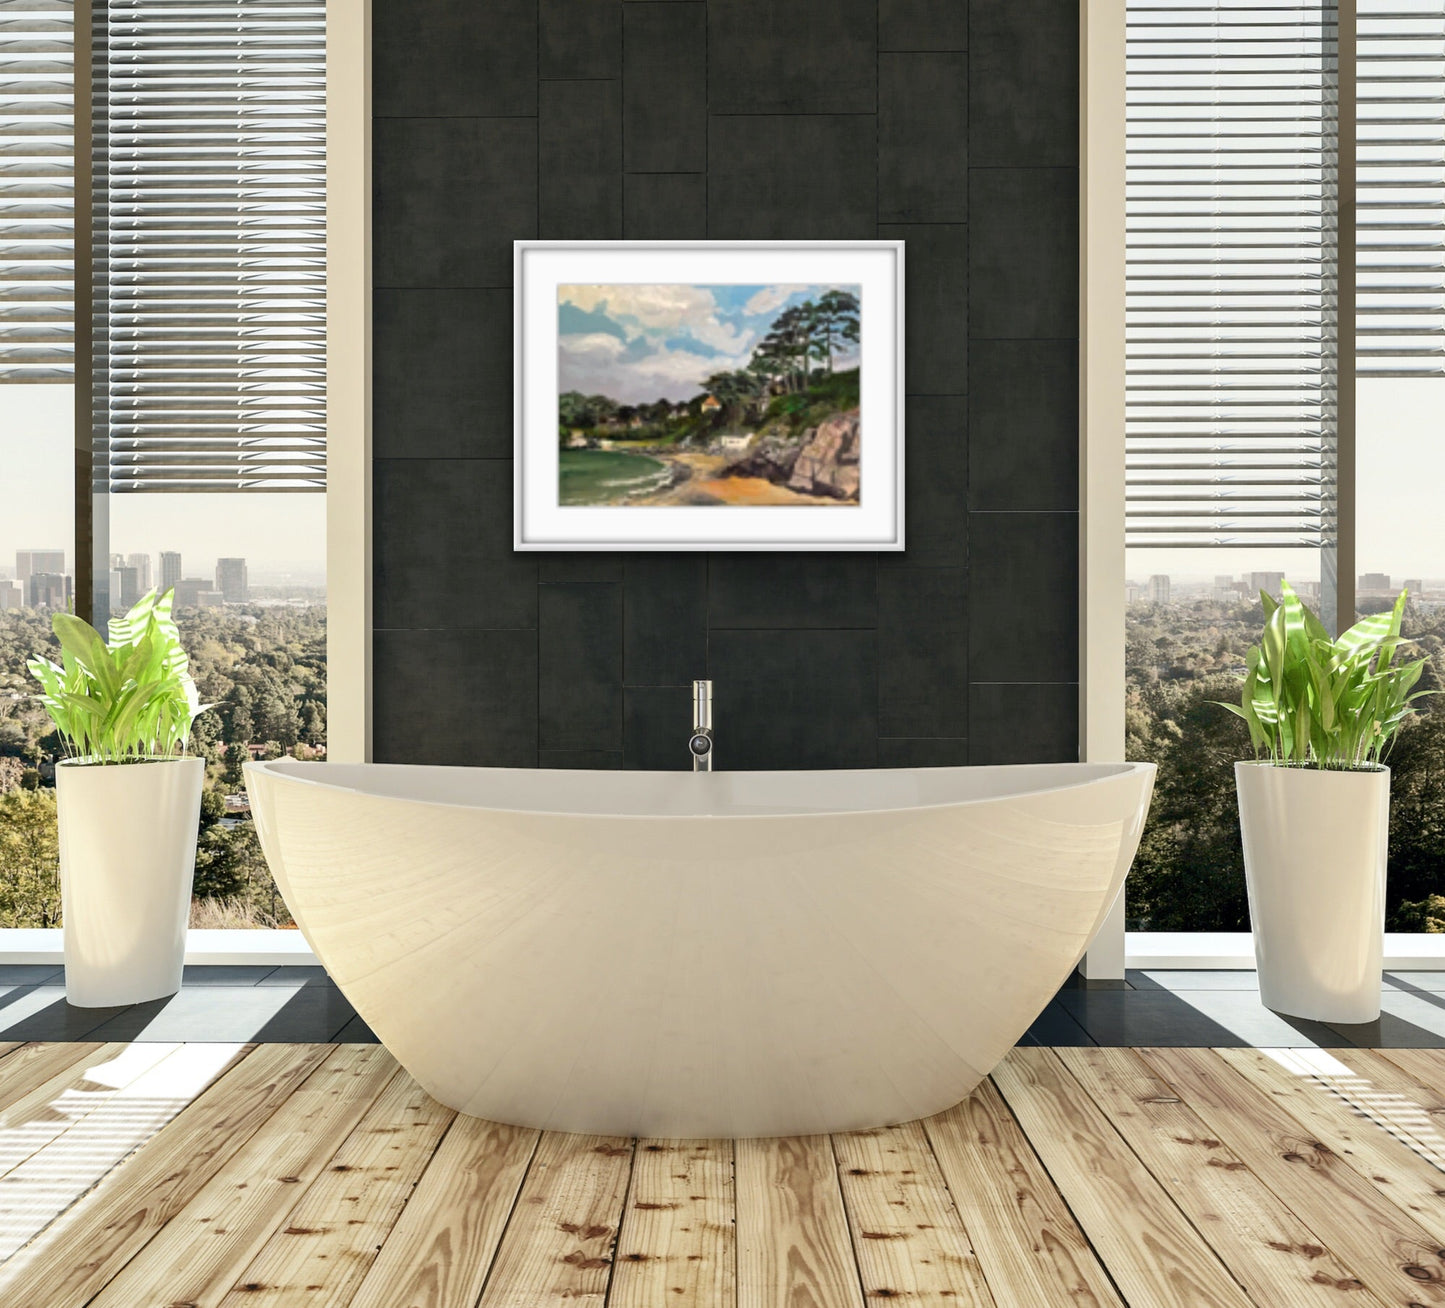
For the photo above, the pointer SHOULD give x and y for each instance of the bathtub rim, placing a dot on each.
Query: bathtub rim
(1112, 772)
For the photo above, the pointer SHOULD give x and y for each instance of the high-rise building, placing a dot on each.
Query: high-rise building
(29, 562)
(1374, 583)
(142, 565)
(170, 568)
(48, 590)
(1269, 582)
(1415, 586)
(124, 587)
(1159, 588)
(231, 580)
(196, 593)
(12, 595)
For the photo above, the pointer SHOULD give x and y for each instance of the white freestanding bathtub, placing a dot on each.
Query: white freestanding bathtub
(698, 955)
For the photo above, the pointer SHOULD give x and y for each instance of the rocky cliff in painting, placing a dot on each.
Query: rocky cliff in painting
(821, 462)
(828, 462)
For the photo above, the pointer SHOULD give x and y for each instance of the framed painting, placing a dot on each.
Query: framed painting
(709, 395)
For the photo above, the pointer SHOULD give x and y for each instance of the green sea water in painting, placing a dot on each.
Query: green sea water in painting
(606, 476)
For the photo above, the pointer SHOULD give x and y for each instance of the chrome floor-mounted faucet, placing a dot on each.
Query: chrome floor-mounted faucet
(701, 742)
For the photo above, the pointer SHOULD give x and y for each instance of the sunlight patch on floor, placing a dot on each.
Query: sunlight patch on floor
(28, 1126)
(1400, 1116)
(72, 1141)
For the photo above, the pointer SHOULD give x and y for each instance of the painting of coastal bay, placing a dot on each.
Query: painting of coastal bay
(709, 394)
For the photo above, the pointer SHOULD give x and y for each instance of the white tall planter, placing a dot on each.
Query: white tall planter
(1314, 863)
(127, 856)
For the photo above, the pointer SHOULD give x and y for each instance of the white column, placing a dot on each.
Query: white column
(1101, 416)
(348, 380)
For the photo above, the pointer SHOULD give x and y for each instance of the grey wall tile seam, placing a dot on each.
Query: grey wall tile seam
(621, 154)
(706, 206)
(474, 118)
(411, 631)
(780, 631)
(1012, 683)
(455, 286)
(790, 113)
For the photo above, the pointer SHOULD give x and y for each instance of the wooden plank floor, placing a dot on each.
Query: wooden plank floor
(322, 1176)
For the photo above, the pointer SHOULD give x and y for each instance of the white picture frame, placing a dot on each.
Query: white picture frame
(541, 522)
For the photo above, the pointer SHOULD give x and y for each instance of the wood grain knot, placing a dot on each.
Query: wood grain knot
(1305, 1250)
(581, 1260)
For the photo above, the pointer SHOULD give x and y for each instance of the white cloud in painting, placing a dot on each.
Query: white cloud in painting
(725, 337)
(650, 306)
(684, 366)
(771, 297)
(593, 347)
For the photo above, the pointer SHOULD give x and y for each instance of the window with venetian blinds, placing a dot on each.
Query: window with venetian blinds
(209, 243)
(1232, 341)
(1400, 242)
(37, 191)
(1234, 199)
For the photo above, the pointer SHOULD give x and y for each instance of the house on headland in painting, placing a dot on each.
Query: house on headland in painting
(711, 404)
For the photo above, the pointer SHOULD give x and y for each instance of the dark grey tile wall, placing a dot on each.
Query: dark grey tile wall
(949, 124)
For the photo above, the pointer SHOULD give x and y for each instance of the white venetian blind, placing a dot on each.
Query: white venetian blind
(37, 191)
(1231, 333)
(209, 244)
(1401, 180)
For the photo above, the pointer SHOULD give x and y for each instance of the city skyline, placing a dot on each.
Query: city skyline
(162, 568)
(278, 534)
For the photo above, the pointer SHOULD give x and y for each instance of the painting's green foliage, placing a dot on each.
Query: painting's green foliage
(129, 698)
(1329, 703)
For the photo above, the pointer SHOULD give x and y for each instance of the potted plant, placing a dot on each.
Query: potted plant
(1314, 804)
(128, 799)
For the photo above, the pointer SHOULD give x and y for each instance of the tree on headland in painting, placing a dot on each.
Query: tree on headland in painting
(813, 331)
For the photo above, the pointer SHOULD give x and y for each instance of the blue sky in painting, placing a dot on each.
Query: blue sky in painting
(640, 342)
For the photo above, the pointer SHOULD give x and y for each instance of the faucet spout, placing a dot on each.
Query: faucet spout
(700, 743)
